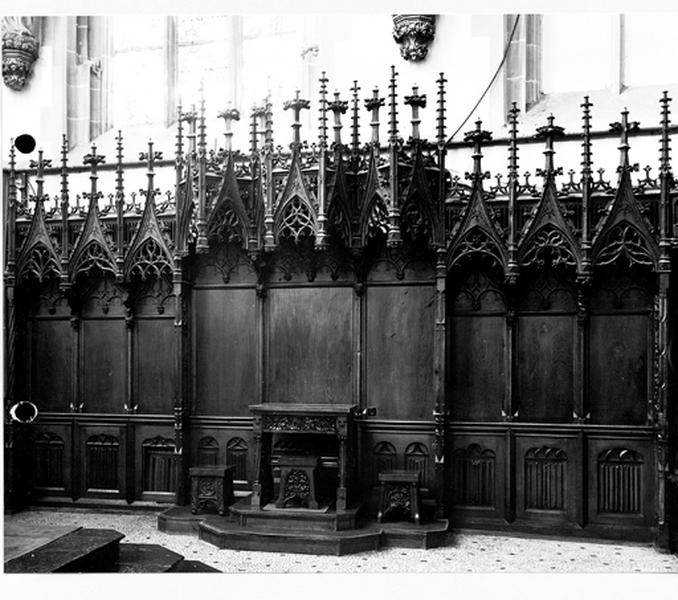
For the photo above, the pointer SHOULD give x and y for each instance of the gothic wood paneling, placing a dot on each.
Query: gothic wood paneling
(103, 358)
(399, 351)
(619, 363)
(103, 461)
(52, 365)
(225, 351)
(545, 368)
(154, 359)
(310, 345)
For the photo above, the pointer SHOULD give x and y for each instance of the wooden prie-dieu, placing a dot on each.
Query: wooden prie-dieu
(509, 340)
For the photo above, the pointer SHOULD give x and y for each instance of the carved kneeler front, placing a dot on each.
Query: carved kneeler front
(399, 495)
(211, 485)
(298, 475)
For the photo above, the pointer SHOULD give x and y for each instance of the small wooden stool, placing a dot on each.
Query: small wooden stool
(297, 480)
(399, 492)
(211, 484)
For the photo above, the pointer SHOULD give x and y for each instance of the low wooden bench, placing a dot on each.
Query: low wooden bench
(399, 493)
(211, 485)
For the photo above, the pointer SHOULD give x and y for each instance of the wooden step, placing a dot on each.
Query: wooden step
(146, 558)
(193, 566)
(82, 551)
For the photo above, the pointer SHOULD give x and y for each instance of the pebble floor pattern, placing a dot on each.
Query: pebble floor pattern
(473, 553)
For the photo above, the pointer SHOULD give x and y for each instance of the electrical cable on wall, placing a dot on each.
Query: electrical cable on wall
(494, 77)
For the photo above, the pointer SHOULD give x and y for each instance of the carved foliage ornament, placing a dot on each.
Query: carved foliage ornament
(299, 423)
(414, 33)
(19, 52)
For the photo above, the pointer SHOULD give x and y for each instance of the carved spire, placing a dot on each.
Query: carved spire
(393, 108)
(120, 208)
(93, 160)
(150, 157)
(512, 271)
(587, 179)
(416, 101)
(268, 122)
(39, 166)
(477, 137)
(201, 239)
(623, 128)
(322, 125)
(338, 108)
(440, 118)
(549, 133)
(254, 118)
(355, 118)
(11, 210)
(373, 104)
(202, 128)
(64, 209)
(665, 178)
(296, 105)
(229, 115)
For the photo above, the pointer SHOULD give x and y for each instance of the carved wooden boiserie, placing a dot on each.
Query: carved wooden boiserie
(299, 423)
(208, 452)
(417, 459)
(159, 474)
(48, 461)
(384, 458)
(620, 484)
(296, 489)
(101, 473)
(237, 456)
(473, 476)
(545, 476)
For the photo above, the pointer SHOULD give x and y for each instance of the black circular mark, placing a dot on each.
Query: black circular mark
(25, 143)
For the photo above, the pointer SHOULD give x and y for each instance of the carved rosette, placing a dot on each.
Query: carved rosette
(414, 33)
(19, 52)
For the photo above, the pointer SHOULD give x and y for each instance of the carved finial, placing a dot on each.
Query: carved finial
(624, 128)
(229, 115)
(93, 160)
(296, 105)
(322, 127)
(440, 118)
(393, 108)
(120, 204)
(374, 104)
(180, 134)
(39, 166)
(254, 118)
(665, 148)
(587, 154)
(338, 107)
(416, 101)
(64, 172)
(477, 137)
(268, 122)
(549, 132)
(513, 141)
(355, 116)
(150, 157)
(190, 118)
(202, 138)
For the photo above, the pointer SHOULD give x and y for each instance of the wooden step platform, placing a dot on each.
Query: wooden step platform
(82, 551)
(146, 558)
(302, 531)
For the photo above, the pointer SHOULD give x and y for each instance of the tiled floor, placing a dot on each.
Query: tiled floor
(475, 553)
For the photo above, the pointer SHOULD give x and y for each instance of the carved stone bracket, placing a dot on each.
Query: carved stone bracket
(414, 33)
(19, 52)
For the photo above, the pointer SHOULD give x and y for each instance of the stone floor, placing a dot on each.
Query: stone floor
(467, 553)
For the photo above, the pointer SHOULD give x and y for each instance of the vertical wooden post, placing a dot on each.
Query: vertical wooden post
(662, 541)
(439, 375)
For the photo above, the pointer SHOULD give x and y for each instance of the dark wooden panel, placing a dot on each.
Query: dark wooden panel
(310, 355)
(104, 345)
(476, 477)
(545, 387)
(547, 481)
(621, 485)
(103, 461)
(52, 368)
(477, 367)
(619, 364)
(399, 351)
(225, 351)
(50, 460)
(154, 372)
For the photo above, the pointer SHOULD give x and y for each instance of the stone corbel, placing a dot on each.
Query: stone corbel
(414, 33)
(20, 44)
